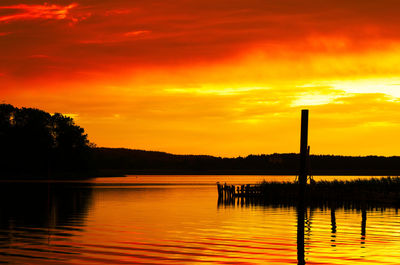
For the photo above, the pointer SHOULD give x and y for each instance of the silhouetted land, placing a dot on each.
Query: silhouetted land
(128, 161)
(36, 143)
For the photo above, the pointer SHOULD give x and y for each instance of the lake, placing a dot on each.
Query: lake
(177, 220)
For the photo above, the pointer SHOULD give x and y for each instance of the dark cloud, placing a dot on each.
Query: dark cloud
(90, 35)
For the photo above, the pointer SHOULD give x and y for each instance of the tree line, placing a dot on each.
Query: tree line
(143, 162)
(34, 142)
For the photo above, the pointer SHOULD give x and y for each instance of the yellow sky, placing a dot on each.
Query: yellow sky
(228, 80)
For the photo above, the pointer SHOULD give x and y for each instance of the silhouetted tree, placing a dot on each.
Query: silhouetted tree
(34, 142)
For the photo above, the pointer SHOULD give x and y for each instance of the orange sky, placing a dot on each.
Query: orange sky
(213, 77)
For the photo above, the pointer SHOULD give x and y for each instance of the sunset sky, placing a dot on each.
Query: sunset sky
(223, 78)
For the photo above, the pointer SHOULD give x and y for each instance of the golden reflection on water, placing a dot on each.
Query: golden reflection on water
(183, 224)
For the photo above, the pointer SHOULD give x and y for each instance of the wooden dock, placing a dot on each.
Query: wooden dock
(368, 192)
(238, 191)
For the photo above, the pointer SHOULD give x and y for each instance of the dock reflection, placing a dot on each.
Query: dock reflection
(304, 214)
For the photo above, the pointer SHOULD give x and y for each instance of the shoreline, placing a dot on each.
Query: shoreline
(124, 173)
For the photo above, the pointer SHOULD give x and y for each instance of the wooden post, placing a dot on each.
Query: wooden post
(302, 187)
(303, 153)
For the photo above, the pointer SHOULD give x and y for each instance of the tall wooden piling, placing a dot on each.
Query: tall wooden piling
(303, 153)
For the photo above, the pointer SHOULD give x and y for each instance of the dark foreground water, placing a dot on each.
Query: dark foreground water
(177, 220)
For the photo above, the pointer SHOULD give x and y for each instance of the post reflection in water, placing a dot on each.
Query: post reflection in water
(363, 225)
(304, 216)
(333, 227)
(301, 215)
(303, 219)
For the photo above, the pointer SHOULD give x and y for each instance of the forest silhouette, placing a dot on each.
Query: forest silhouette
(36, 143)
(127, 161)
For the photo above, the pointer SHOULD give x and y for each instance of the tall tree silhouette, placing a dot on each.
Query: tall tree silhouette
(34, 142)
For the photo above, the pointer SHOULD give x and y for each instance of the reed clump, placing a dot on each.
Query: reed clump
(375, 190)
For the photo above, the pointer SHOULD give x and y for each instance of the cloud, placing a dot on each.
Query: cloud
(173, 69)
(313, 99)
(130, 35)
(28, 12)
(136, 33)
(117, 12)
(214, 90)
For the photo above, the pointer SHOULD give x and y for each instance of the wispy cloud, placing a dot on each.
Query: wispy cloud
(222, 91)
(27, 12)
(136, 33)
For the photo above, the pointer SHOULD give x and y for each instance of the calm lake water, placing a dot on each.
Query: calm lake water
(177, 220)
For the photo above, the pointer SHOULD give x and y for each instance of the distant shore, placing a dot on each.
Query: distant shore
(121, 172)
(124, 172)
(121, 161)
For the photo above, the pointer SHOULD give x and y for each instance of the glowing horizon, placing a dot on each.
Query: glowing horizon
(221, 78)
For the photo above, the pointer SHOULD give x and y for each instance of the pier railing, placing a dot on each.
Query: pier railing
(231, 191)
